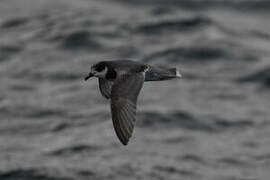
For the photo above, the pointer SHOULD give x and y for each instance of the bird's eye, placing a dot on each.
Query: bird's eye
(100, 67)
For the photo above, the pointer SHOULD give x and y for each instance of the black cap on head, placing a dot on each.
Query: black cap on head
(99, 66)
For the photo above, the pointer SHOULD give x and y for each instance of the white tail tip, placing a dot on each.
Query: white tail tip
(178, 74)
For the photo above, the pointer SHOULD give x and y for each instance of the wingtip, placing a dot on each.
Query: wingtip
(124, 142)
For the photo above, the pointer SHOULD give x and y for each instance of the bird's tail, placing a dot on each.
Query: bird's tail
(161, 73)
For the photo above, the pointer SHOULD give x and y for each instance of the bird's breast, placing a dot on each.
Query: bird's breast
(111, 74)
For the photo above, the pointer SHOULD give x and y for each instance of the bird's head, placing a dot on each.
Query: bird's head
(97, 70)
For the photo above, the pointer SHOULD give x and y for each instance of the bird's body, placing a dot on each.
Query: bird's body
(121, 81)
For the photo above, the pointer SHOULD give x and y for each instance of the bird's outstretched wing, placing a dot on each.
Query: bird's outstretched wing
(105, 87)
(125, 91)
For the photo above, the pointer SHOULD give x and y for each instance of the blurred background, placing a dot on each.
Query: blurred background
(213, 124)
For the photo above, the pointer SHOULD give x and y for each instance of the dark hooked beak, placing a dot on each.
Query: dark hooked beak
(89, 76)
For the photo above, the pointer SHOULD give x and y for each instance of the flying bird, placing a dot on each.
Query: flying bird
(121, 82)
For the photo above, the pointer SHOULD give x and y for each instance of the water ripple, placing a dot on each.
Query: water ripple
(28, 174)
(261, 77)
(174, 170)
(76, 149)
(77, 40)
(14, 22)
(233, 161)
(191, 158)
(191, 122)
(173, 25)
(188, 54)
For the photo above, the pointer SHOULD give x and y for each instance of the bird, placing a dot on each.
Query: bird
(120, 81)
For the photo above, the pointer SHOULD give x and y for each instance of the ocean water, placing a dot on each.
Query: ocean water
(212, 124)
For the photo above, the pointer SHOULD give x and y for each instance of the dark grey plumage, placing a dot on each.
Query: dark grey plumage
(160, 73)
(121, 81)
(105, 87)
(123, 103)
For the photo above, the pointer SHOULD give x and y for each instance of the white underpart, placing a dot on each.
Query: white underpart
(178, 73)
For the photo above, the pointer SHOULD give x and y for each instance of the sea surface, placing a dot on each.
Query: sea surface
(212, 124)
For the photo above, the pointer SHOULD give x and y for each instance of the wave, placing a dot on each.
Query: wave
(28, 174)
(86, 173)
(60, 127)
(204, 4)
(190, 122)
(14, 22)
(226, 124)
(29, 111)
(174, 119)
(233, 161)
(173, 25)
(45, 112)
(260, 34)
(59, 76)
(261, 77)
(174, 170)
(191, 158)
(187, 54)
(9, 50)
(76, 149)
(20, 87)
(263, 157)
(206, 52)
(178, 139)
(76, 40)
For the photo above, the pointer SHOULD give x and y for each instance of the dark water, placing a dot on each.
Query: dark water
(213, 124)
